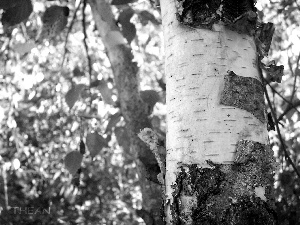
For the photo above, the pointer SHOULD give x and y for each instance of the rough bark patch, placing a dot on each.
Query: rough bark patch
(227, 194)
(237, 15)
(246, 150)
(254, 167)
(198, 13)
(249, 211)
(244, 93)
(192, 189)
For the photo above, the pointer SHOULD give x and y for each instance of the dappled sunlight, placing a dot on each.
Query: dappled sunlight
(69, 124)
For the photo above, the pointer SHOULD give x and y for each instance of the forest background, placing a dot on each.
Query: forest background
(59, 95)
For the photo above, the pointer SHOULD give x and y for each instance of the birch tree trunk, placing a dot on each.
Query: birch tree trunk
(133, 109)
(219, 164)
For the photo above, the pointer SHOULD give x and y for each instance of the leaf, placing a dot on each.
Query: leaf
(121, 2)
(128, 28)
(145, 16)
(18, 13)
(95, 143)
(106, 93)
(129, 32)
(73, 161)
(73, 94)
(286, 178)
(113, 120)
(162, 84)
(6, 4)
(95, 83)
(155, 121)
(150, 97)
(77, 72)
(274, 73)
(23, 48)
(55, 19)
(126, 15)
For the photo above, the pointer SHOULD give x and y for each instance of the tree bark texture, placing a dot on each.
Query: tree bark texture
(219, 166)
(133, 108)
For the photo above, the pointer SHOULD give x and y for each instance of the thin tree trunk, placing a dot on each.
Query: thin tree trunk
(132, 107)
(219, 164)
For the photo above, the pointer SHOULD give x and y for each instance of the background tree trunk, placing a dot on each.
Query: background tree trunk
(219, 165)
(133, 109)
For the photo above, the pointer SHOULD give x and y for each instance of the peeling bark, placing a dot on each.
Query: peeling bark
(244, 93)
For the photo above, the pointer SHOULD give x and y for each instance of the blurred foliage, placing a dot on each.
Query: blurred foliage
(56, 92)
(286, 97)
(48, 107)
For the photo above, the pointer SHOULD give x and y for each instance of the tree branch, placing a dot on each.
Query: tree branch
(290, 107)
(84, 40)
(290, 104)
(87, 49)
(68, 32)
(276, 124)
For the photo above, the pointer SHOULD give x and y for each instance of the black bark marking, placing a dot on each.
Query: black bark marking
(245, 93)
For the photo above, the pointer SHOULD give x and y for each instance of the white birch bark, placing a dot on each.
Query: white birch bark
(199, 128)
